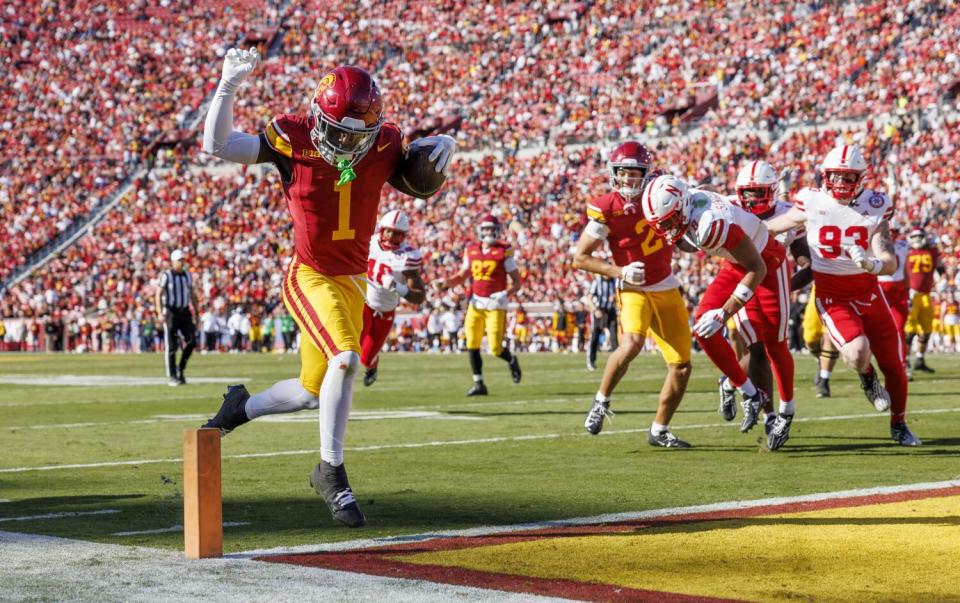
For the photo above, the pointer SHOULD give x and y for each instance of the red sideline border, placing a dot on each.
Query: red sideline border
(375, 561)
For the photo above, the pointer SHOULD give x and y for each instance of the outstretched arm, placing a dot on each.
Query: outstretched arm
(219, 137)
(784, 222)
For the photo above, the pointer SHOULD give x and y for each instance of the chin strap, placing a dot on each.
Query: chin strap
(346, 172)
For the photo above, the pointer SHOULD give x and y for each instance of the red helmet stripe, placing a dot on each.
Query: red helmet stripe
(396, 218)
(753, 172)
(843, 155)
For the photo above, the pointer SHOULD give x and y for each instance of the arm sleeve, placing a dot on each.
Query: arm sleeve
(597, 230)
(219, 137)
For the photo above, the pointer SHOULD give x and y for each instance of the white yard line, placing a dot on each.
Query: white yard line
(59, 515)
(176, 528)
(440, 443)
(601, 519)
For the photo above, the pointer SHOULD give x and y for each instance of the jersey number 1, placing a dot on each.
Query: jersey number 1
(343, 231)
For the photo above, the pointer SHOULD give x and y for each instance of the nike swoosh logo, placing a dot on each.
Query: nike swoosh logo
(379, 148)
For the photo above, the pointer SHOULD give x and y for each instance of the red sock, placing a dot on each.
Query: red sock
(725, 359)
(782, 363)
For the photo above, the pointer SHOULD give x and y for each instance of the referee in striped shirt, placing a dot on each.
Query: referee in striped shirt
(603, 299)
(174, 297)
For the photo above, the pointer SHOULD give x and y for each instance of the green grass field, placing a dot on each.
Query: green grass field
(421, 456)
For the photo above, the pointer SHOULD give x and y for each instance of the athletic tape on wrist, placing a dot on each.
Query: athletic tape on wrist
(743, 293)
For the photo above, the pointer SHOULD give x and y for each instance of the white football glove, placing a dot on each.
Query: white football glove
(711, 322)
(500, 298)
(442, 151)
(859, 256)
(633, 273)
(237, 65)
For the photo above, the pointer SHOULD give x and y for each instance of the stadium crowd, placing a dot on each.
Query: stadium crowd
(501, 78)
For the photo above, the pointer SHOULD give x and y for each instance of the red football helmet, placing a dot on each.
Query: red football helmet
(488, 229)
(629, 167)
(346, 114)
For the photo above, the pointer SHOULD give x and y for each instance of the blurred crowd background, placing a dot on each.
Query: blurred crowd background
(102, 174)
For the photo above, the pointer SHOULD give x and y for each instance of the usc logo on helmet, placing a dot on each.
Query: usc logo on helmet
(326, 82)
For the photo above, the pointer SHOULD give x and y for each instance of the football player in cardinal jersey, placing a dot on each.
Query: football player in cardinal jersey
(488, 263)
(849, 236)
(649, 295)
(333, 163)
(751, 287)
(393, 273)
(756, 190)
(922, 260)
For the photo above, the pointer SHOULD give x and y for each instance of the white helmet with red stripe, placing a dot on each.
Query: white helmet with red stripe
(666, 207)
(394, 226)
(843, 169)
(756, 184)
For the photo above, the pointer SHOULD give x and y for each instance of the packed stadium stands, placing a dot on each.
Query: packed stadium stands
(534, 94)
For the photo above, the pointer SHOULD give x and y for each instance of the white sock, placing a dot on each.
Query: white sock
(787, 408)
(602, 398)
(282, 397)
(748, 389)
(657, 429)
(919, 355)
(477, 378)
(825, 374)
(336, 395)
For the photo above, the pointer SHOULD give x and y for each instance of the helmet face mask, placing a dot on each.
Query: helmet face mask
(844, 185)
(346, 115)
(391, 238)
(756, 200)
(756, 183)
(629, 169)
(488, 230)
(917, 239)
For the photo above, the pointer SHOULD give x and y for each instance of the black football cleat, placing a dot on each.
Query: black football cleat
(728, 402)
(370, 376)
(478, 389)
(181, 379)
(823, 388)
(332, 484)
(751, 409)
(875, 393)
(768, 422)
(921, 365)
(598, 412)
(816, 377)
(666, 440)
(232, 413)
(779, 432)
(902, 435)
(515, 373)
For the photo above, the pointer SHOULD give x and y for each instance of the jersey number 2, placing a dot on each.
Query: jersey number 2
(651, 243)
(830, 239)
(343, 231)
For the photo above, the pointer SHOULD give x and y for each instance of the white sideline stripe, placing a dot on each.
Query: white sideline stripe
(493, 440)
(60, 515)
(4, 500)
(104, 380)
(176, 528)
(600, 519)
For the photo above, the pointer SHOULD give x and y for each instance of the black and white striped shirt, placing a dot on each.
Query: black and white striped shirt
(175, 288)
(603, 290)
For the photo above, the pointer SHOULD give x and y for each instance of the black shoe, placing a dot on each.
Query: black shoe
(751, 409)
(816, 377)
(181, 379)
(823, 388)
(594, 421)
(515, 373)
(232, 413)
(666, 440)
(369, 376)
(728, 402)
(921, 365)
(780, 432)
(902, 435)
(331, 483)
(768, 422)
(875, 392)
(478, 389)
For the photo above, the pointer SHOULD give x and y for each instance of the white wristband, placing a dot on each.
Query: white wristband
(743, 293)
(876, 265)
(401, 288)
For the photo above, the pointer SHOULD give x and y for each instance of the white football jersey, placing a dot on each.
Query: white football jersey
(832, 228)
(712, 218)
(901, 248)
(383, 267)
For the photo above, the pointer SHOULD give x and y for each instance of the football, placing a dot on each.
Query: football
(418, 172)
